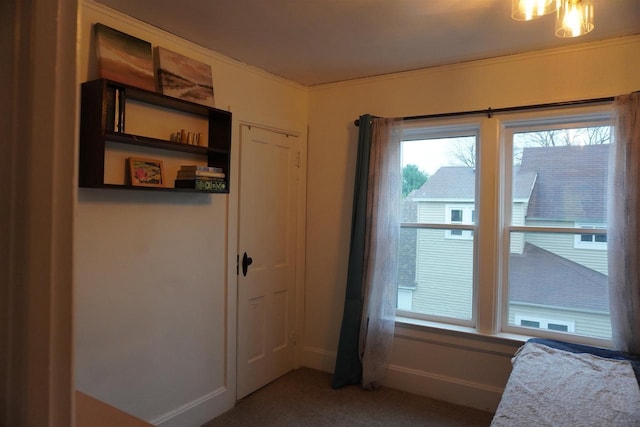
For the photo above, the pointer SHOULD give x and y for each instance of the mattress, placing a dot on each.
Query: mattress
(554, 383)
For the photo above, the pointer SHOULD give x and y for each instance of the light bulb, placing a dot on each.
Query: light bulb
(574, 18)
(526, 10)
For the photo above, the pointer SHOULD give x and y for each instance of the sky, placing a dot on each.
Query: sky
(429, 155)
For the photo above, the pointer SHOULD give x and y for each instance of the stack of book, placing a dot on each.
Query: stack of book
(201, 178)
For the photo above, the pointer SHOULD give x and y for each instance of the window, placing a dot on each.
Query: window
(437, 255)
(405, 297)
(558, 176)
(591, 240)
(552, 325)
(460, 214)
(539, 180)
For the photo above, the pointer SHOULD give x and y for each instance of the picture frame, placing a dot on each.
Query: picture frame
(146, 172)
(183, 77)
(124, 58)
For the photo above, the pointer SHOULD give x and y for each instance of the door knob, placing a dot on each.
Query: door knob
(246, 262)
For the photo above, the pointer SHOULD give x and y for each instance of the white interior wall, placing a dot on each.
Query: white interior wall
(161, 347)
(155, 296)
(462, 368)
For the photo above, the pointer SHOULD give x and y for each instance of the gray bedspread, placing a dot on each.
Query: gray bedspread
(552, 387)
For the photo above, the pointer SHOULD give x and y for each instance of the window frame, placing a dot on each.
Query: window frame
(557, 119)
(544, 322)
(468, 217)
(594, 231)
(441, 129)
(491, 242)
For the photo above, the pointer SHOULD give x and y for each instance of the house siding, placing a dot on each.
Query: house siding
(517, 241)
(563, 245)
(586, 323)
(442, 290)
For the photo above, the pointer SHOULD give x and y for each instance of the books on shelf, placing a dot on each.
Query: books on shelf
(197, 171)
(202, 183)
(200, 177)
(196, 174)
(200, 168)
(115, 112)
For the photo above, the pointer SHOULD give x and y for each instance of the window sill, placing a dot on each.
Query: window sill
(464, 337)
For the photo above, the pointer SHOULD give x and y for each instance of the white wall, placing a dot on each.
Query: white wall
(155, 283)
(155, 273)
(448, 365)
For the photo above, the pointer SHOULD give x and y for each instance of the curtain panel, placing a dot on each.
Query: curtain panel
(368, 318)
(624, 225)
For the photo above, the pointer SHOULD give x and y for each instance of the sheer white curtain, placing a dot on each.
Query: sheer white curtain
(624, 225)
(381, 250)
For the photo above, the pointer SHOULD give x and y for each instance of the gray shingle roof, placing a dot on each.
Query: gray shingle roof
(524, 183)
(563, 183)
(541, 277)
(449, 182)
(571, 182)
(458, 182)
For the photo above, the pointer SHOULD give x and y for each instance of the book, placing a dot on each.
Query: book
(197, 174)
(202, 184)
(112, 109)
(200, 168)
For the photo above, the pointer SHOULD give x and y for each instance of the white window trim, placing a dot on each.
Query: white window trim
(406, 303)
(544, 323)
(493, 154)
(594, 229)
(467, 215)
(583, 117)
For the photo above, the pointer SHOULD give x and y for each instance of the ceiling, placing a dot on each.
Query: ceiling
(321, 41)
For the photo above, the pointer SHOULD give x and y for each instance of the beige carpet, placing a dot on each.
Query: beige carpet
(305, 398)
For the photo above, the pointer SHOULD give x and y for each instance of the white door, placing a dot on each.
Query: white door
(267, 254)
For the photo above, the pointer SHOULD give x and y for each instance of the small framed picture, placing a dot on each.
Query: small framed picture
(146, 172)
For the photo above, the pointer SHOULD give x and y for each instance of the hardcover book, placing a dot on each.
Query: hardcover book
(202, 184)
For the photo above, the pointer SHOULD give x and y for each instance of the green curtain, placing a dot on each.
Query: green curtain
(348, 368)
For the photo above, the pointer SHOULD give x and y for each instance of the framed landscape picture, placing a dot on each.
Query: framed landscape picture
(124, 58)
(184, 78)
(146, 172)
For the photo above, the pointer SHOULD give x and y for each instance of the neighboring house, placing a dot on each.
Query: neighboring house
(557, 281)
(407, 254)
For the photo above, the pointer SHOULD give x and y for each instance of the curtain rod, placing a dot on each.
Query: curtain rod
(490, 112)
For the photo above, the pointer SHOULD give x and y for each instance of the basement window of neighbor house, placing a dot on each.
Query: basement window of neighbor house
(543, 203)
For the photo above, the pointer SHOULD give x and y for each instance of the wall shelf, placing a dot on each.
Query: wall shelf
(103, 120)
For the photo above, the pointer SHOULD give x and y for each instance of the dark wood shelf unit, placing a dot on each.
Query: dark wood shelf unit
(98, 115)
(171, 189)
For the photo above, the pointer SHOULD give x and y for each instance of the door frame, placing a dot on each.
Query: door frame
(233, 242)
(36, 211)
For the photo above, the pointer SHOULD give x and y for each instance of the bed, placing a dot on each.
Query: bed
(554, 383)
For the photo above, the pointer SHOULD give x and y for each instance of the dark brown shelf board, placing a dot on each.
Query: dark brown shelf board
(145, 141)
(152, 97)
(170, 189)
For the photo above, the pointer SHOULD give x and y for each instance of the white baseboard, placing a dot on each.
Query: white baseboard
(448, 389)
(319, 359)
(199, 411)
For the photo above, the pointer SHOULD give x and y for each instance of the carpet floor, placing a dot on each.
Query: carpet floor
(304, 397)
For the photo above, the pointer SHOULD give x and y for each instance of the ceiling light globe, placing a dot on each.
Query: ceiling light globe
(526, 10)
(574, 18)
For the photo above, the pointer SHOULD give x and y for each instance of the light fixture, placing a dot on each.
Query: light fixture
(574, 18)
(526, 10)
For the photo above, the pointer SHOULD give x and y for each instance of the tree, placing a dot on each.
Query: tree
(412, 178)
(560, 138)
(572, 136)
(464, 151)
